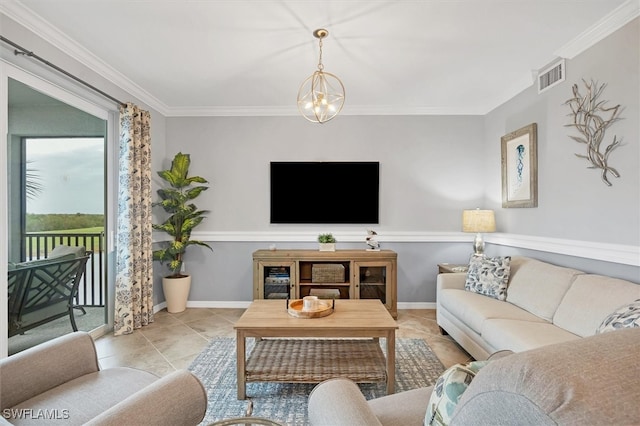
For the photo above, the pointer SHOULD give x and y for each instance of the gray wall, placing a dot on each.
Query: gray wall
(573, 201)
(429, 168)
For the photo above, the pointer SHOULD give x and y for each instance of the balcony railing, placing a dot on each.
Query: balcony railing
(92, 289)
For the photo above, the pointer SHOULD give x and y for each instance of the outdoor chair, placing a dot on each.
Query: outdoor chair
(43, 290)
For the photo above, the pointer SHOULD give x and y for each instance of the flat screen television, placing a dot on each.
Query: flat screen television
(325, 192)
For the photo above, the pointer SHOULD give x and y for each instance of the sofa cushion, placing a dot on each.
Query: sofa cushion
(43, 262)
(537, 286)
(402, 408)
(62, 250)
(59, 253)
(73, 399)
(627, 316)
(473, 309)
(591, 381)
(488, 276)
(447, 391)
(590, 300)
(518, 336)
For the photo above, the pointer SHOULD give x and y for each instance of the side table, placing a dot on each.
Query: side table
(447, 268)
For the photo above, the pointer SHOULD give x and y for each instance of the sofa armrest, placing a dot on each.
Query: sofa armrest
(339, 402)
(176, 399)
(587, 381)
(453, 280)
(43, 367)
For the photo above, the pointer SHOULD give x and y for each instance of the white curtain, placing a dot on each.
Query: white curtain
(134, 258)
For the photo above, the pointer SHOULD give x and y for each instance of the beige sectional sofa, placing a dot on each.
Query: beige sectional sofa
(591, 381)
(545, 304)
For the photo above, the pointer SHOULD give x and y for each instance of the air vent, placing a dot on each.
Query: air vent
(551, 76)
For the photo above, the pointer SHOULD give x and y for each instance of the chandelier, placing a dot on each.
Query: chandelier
(321, 96)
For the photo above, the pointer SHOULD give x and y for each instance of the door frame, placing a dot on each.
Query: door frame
(80, 100)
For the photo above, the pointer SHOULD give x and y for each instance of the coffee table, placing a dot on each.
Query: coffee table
(343, 344)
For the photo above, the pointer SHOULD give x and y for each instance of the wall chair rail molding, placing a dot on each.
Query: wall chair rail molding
(345, 236)
(615, 253)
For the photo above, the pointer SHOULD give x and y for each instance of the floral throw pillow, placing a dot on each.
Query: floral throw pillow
(627, 316)
(489, 276)
(448, 390)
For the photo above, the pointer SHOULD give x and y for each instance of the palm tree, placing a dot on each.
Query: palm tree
(33, 182)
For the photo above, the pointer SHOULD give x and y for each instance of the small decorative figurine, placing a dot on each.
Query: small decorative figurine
(371, 240)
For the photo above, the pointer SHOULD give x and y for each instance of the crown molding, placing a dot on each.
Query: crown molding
(292, 111)
(29, 19)
(42, 28)
(609, 24)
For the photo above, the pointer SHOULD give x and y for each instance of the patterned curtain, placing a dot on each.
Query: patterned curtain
(134, 259)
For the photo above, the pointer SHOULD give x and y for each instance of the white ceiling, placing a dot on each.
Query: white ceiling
(208, 57)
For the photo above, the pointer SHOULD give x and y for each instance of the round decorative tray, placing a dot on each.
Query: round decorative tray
(324, 308)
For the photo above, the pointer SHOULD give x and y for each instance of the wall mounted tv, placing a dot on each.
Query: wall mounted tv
(325, 192)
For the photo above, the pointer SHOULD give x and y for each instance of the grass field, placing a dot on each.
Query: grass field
(38, 243)
(94, 230)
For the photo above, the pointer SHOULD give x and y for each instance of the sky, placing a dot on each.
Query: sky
(71, 172)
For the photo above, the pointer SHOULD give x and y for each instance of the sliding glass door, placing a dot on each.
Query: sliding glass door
(56, 190)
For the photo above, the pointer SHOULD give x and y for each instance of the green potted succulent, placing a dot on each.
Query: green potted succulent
(327, 242)
(184, 216)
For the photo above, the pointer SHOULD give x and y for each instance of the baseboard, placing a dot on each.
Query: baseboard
(416, 305)
(244, 305)
(160, 306)
(219, 304)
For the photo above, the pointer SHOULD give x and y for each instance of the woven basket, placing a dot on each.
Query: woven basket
(316, 360)
(327, 273)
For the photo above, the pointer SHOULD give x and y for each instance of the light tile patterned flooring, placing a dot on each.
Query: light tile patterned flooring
(174, 340)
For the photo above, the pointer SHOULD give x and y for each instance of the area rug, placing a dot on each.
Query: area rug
(416, 366)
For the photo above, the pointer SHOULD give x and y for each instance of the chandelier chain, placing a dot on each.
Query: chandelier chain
(320, 66)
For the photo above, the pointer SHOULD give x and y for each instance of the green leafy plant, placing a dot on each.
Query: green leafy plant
(326, 238)
(184, 216)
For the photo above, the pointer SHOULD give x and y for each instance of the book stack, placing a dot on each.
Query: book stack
(277, 283)
(278, 276)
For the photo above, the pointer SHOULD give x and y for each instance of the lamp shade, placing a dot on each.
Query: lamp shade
(478, 221)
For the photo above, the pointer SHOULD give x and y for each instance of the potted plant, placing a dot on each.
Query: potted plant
(327, 242)
(184, 216)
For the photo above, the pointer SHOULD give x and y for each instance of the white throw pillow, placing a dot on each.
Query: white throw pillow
(489, 276)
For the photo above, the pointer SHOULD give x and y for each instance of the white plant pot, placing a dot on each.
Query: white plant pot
(176, 293)
(327, 246)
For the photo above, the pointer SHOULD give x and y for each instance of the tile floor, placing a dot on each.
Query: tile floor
(174, 340)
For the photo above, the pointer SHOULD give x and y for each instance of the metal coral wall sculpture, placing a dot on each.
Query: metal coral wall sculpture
(592, 118)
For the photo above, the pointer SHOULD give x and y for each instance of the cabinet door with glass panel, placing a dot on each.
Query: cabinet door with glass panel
(274, 280)
(376, 280)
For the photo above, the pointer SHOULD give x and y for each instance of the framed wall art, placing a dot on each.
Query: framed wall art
(520, 167)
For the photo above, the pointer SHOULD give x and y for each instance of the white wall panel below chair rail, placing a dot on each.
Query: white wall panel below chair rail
(615, 253)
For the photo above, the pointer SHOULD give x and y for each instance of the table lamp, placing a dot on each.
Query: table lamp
(478, 221)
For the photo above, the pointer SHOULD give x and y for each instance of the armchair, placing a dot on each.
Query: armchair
(60, 381)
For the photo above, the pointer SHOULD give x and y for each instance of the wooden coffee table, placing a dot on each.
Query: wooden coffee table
(344, 344)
